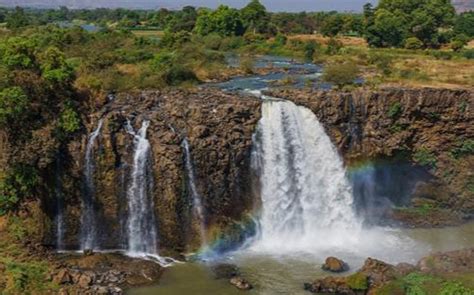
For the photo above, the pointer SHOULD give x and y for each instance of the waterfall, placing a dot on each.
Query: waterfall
(59, 218)
(306, 198)
(141, 225)
(198, 209)
(88, 217)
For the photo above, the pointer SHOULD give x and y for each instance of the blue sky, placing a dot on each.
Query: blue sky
(274, 5)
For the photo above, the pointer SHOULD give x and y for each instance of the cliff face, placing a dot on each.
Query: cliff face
(219, 129)
(433, 128)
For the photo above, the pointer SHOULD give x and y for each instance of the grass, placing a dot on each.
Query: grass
(148, 33)
(425, 284)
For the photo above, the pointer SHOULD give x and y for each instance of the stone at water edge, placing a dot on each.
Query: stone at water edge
(241, 283)
(88, 252)
(334, 264)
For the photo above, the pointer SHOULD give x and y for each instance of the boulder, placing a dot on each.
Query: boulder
(62, 277)
(240, 283)
(334, 264)
(329, 285)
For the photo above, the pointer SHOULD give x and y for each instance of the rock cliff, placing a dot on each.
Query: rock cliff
(219, 129)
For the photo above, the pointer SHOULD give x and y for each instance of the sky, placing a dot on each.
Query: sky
(273, 5)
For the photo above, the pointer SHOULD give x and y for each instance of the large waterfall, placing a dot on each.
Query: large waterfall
(141, 225)
(89, 216)
(306, 197)
(198, 208)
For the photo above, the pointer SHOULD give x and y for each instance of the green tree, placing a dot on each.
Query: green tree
(464, 24)
(333, 25)
(54, 67)
(17, 19)
(18, 53)
(13, 104)
(255, 17)
(340, 74)
(395, 20)
(224, 21)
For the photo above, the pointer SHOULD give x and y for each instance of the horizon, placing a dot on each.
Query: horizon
(272, 5)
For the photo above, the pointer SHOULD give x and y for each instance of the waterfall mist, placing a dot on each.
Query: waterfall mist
(89, 214)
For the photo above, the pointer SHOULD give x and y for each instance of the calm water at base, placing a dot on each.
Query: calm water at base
(285, 275)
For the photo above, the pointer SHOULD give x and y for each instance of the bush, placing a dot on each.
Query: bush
(358, 281)
(413, 43)
(425, 157)
(334, 46)
(16, 185)
(463, 149)
(395, 110)
(13, 104)
(382, 61)
(468, 53)
(340, 74)
(441, 55)
(69, 121)
(212, 41)
(247, 64)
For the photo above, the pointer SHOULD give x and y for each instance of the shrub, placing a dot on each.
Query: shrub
(358, 281)
(455, 288)
(441, 55)
(17, 184)
(13, 104)
(468, 53)
(425, 157)
(413, 43)
(382, 61)
(69, 121)
(247, 64)
(212, 41)
(309, 50)
(334, 46)
(340, 74)
(464, 149)
(459, 42)
(395, 110)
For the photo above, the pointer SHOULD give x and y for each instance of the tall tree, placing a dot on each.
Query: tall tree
(224, 21)
(17, 19)
(255, 17)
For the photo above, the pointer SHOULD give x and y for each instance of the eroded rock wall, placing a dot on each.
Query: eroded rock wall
(219, 129)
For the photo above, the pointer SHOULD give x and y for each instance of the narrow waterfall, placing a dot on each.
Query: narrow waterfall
(198, 208)
(59, 218)
(89, 216)
(141, 225)
(306, 197)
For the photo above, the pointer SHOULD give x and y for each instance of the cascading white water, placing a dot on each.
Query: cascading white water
(141, 225)
(59, 219)
(306, 198)
(198, 208)
(88, 215)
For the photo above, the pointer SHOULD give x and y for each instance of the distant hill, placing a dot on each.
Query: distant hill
(463, 5)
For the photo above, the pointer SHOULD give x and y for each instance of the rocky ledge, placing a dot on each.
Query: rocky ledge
(103, 273)
(450, 272)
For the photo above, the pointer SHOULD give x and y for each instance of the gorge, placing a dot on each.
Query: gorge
(275, 179)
